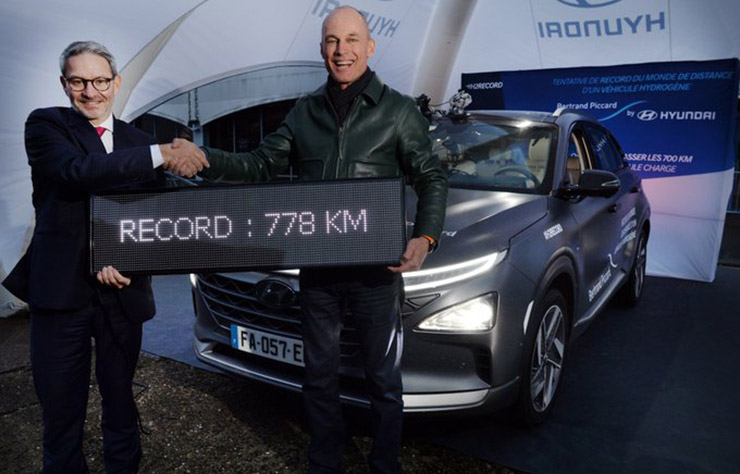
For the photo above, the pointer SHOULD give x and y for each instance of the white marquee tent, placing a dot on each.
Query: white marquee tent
(241, 53)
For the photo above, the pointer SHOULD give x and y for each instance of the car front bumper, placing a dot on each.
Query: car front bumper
(441, 372)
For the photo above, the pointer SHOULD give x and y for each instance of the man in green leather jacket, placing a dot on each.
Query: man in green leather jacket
(353, 127)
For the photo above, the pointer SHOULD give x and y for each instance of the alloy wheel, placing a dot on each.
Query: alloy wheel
(639, 268)
(547, 358)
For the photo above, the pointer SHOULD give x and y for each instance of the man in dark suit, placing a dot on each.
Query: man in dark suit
(74, 152)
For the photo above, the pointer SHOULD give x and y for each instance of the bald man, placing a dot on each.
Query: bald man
(353, 127)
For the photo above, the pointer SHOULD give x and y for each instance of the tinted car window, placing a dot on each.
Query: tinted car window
(574, 161)
(606, 153)
(495, 154)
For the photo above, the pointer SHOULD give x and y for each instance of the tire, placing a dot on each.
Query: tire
(544, 358)
(631, 292)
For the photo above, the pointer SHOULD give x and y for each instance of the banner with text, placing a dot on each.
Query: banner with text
(675, 121)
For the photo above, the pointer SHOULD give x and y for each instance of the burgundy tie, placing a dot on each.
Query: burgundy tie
(100, 130)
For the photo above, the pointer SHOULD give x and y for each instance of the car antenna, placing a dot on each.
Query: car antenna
(458, 102)
(423, 103)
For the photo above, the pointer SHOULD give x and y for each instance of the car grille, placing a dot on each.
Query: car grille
(232, 301)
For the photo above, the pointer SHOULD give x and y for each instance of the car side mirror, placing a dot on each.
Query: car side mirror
(593, 183)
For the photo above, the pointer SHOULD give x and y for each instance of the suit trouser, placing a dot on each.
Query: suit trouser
(372, 295)
(60, 360)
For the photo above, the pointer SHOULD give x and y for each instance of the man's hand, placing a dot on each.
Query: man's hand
(183, 158)
(110, 276)
(412, 259)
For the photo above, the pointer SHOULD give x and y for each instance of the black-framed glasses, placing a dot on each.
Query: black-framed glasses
(79, 84)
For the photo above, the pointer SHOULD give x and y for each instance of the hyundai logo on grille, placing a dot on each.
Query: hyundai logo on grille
(275, 293)
(647, 115)
(588, 3)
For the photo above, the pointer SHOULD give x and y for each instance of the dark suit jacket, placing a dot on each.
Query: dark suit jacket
(68, 163)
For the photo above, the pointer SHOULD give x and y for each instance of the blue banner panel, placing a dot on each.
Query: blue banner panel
(672, 118)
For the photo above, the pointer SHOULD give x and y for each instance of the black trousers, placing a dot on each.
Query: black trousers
(61, 352)
(373, 297)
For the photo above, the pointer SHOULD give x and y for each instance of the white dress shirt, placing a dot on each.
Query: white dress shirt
(107, 139)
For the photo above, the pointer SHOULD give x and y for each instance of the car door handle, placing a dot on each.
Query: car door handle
(614, 207)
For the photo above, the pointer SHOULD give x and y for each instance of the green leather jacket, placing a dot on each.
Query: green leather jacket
(384, 135)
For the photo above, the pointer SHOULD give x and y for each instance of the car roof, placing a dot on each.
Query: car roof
(559, 116)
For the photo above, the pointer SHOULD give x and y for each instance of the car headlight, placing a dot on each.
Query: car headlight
(478, 314)
(425, 279)
(194, 280)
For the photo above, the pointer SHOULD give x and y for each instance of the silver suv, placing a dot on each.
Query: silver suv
(545, 224)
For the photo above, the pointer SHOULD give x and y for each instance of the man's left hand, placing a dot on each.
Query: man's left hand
(412, 259)
(110, 276)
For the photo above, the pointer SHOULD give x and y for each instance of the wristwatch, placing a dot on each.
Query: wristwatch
(432, 243)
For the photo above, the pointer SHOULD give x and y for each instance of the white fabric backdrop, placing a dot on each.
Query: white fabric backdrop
(164, 48)
(170, 46)
(32, 35)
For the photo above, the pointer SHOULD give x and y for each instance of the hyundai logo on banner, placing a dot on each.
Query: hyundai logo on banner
(379, 24)
(588, 3)
(647, 115)
(625, 19)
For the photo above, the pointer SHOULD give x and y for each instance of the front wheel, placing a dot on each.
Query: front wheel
(545, 356)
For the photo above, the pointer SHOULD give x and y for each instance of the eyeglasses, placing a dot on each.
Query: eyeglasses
(79, 84)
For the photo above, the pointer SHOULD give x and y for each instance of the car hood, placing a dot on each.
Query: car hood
(477, 223)
(480, 222)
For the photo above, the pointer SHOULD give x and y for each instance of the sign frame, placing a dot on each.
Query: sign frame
(133, 229)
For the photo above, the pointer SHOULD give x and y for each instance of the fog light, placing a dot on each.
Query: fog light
(478, 314)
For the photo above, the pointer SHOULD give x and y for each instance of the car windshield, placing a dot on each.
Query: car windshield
(498, 154)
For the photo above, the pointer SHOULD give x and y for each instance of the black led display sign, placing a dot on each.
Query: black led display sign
(259, 226)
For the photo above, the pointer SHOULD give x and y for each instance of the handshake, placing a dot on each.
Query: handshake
(183, 158)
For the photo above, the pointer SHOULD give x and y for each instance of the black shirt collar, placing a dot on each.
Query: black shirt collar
(341, 99)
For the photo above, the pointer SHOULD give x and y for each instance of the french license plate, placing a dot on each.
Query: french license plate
(272, 346)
